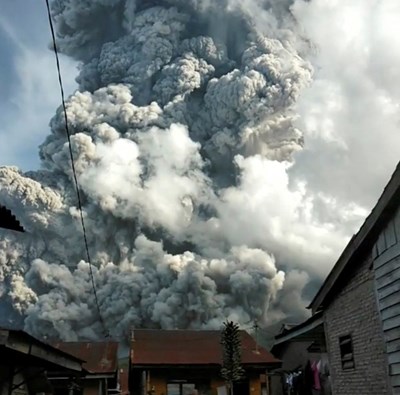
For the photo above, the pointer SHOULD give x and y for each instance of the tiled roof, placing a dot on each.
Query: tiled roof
(190, 347)
(99, 357)
(8, 220)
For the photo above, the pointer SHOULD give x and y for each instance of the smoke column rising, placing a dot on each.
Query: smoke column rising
(184, 132)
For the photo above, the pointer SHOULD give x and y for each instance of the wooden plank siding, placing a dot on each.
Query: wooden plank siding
(386, 254)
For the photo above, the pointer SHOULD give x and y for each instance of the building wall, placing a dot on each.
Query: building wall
(354, 311)
(215, 383)
(292, 354)
(255, 385)
(92, 387)
(5, 383)
(159, 380)
(386, 255)
(276, 381)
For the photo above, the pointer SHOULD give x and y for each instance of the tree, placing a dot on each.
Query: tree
(232, 369)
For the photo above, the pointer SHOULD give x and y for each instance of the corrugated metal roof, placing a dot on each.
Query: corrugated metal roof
(190, 347)
(99, 357)
(42, 352)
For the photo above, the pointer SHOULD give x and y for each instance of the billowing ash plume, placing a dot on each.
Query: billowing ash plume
(183, 132)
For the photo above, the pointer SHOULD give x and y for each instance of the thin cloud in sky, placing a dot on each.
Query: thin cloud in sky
(350, 113)
(33, 93)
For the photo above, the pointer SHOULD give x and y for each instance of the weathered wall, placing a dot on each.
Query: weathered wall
(354, 311)
(215, 383)
(386, 254)
(159, 380)
(255, 385)
(91, 387)
(5, 384)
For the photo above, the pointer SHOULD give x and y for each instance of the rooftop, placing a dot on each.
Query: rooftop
(99, 357)
(17, 345)
(191, 347)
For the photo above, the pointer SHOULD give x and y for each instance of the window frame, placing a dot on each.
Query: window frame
(180, 383)
(346, 350)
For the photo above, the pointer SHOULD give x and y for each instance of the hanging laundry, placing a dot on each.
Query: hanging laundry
(325, 378)
(316, 381)
(298, 383)
(293, 382)
(289, 380)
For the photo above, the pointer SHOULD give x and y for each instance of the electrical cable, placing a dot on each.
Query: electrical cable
(73, 168)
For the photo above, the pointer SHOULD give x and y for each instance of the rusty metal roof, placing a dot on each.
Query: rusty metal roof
(191, 347)
(99, 357)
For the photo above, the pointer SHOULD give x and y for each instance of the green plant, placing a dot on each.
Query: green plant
(232, 369)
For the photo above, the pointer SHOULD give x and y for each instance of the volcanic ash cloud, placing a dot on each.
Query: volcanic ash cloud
(183, 132)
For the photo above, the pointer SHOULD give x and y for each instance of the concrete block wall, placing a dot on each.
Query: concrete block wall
(354, 311)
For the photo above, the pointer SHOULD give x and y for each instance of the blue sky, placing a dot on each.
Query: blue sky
(29, 92)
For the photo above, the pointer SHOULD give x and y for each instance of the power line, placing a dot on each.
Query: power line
(73, 166)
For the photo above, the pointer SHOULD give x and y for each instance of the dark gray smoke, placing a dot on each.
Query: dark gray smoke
(183, 132)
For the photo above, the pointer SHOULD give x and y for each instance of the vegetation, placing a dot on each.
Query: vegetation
(232, 369)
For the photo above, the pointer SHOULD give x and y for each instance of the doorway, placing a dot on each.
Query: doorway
(241, 387)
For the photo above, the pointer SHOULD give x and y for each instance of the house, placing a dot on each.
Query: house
(25, 363)
(177, 362)
(359, 305)
(8, 220)
(101, 375)
(296, 345)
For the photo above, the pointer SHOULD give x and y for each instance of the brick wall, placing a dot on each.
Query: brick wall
(354, 311)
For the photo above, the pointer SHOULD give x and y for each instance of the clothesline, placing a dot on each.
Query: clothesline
(312, 377)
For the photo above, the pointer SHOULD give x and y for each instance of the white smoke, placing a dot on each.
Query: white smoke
(184, 131)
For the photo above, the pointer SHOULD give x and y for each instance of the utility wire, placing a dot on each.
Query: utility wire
(73, 167)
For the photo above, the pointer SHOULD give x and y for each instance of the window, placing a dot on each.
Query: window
(346, 352)
(180, 388)
(173, 389)
(187, 389)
